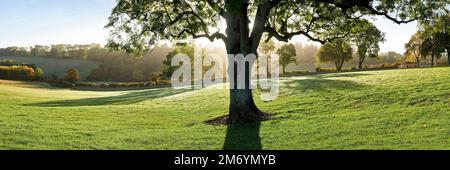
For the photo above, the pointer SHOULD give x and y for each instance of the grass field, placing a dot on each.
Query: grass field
(392, 109)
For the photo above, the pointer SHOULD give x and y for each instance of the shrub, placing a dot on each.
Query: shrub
(317, 69)
(116, 85)
(72, 75)
(297, 72)
(383, 66)
(104, 85)
(87, 84)
(5, 72)
(164, 82)
(155, 78)
(325, 69)
(68, 84)
(39, 74)
(17, 72)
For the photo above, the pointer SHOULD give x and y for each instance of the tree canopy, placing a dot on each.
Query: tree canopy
(336, 52)
(288, 55)
(135, 24)
(414, 48)
(435, 34)
(366, 38)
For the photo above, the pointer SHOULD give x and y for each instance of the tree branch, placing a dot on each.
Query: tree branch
(385, 14)
(212, 37)
(345, 5)
(181, 16)
(287, 36)
(260, 20)
(216, 7)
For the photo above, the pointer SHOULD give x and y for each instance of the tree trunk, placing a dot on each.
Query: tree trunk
(361, 61)
(432, 59)
(418, 61)
(242, 106)
(339, 64)
(336, 63)
(284, 69)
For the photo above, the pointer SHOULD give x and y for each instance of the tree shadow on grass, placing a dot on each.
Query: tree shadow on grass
(128, 98)
(243, 137)
(247, 136)
(341, 75)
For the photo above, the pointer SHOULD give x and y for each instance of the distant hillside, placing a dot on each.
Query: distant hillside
(154, 61)
(129, 68)
(57, 66)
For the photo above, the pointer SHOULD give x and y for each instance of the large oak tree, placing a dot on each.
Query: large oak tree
(137, 24)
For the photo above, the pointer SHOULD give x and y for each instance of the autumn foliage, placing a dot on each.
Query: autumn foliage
(72, 75)
(17, 72)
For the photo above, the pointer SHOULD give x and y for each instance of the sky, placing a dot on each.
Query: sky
(30, 22)
(45, 22)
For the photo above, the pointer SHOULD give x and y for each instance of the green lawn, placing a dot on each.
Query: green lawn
(392, 109)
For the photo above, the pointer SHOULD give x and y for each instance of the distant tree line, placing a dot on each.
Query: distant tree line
(114, 65)
(65, 51)
(431, 42)
(93, 52)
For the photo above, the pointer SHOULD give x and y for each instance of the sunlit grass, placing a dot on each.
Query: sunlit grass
(393, 109)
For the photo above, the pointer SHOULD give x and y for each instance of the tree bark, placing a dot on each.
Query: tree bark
(242, 106)
(339, 64)
(432, 59)
(361, 61)
(418, 60)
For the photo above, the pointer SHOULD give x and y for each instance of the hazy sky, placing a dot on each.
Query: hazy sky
(30, 22)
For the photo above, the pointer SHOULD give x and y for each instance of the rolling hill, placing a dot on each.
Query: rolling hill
(391, 109)
(57, 67)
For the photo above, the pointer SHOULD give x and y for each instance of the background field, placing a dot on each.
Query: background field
(57, 66)
(393, 109)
